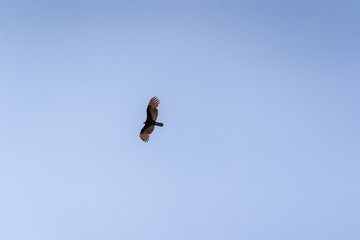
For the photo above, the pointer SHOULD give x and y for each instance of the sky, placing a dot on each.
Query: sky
(260, 105)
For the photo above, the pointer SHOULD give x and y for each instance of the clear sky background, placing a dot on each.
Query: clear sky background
(260, 102)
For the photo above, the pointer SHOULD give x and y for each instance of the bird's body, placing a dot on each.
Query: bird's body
(150, 122)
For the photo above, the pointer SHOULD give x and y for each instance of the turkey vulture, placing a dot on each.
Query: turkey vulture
(150, 123)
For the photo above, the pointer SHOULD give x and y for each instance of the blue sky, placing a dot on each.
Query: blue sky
(260, 102)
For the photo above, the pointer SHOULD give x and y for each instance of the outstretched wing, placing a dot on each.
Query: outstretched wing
(151, 110)
(146, 131)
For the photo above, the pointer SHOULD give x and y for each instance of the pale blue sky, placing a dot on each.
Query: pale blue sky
(260, 102)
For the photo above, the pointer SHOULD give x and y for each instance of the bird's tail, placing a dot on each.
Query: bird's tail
(159, 124)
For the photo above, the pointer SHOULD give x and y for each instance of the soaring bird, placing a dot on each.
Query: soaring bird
(150, 122)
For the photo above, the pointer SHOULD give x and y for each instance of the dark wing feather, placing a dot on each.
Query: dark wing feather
(151, 110)
(146, 131)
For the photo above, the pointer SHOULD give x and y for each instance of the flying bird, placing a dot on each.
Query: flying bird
(150, 122)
